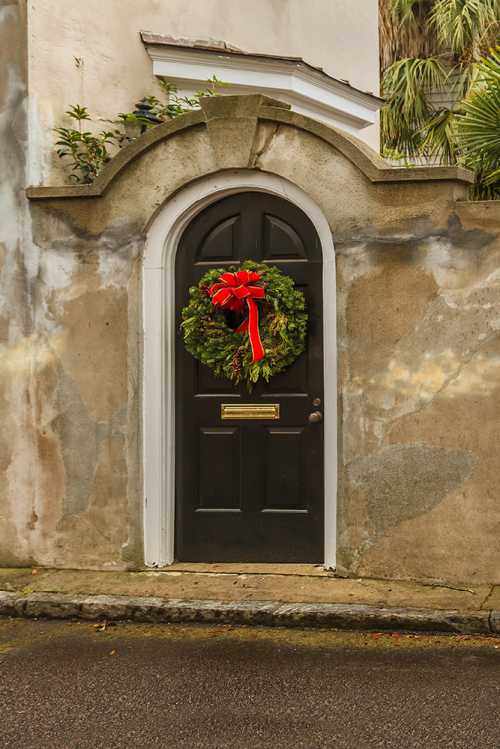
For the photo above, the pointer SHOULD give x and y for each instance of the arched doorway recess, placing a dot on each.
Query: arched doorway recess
(162, 243)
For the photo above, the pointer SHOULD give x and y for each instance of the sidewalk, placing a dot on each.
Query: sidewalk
(281, 595)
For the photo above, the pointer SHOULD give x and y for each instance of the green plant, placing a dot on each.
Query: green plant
(478, 127)
(403, 119)
(447, 45)
(87, 152)
(466, 27)
(175, 105)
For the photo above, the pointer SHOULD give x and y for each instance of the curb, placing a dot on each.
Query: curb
(268, 613)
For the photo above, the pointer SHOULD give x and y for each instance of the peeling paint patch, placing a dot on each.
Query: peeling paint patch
(58, 269)
(114, 269)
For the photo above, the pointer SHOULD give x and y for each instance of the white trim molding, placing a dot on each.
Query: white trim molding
(159, 350)
(309, 90)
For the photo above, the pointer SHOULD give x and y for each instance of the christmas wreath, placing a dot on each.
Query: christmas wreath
(246, 322)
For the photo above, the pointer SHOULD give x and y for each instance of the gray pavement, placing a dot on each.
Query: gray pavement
(80, 684)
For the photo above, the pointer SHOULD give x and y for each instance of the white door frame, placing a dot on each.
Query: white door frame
(162, 241)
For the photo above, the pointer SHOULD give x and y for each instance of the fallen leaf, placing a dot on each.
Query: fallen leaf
(112, 652)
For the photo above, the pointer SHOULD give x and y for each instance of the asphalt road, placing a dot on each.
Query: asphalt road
(73, 685)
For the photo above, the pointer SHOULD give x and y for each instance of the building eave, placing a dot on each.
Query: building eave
(192, 63)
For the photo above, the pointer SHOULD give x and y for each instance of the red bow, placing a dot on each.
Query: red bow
(231, 293)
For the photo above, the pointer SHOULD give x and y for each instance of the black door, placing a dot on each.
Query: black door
(250, 491)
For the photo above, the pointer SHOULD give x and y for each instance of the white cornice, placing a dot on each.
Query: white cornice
(309, 90)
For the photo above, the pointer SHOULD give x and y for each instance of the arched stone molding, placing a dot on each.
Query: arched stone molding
(358, 193)
(241, 115)
(159, 344)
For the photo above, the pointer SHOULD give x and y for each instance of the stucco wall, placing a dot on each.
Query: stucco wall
(419, 349)
(90, 52)
(419, 352)
(18, 268)
(420, 321)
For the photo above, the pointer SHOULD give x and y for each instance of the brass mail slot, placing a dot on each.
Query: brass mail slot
(250, 411)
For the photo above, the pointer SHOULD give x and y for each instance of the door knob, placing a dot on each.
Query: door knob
(315, 417)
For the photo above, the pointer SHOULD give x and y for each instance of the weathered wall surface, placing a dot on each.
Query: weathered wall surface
(420, 335)
(90, 52)
(66, 408)
(419, 353)
(17, 451)
(419, 365)
(63, 474)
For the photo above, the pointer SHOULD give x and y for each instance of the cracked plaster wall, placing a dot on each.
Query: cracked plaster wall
(419, 367)
(419, 358)
(63, 379)
(16, 275)
(420, 370)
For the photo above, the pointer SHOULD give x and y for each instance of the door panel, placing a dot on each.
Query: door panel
(221, 241)
(250, 490)
(281, 241)
(219, 469)
(284, 453)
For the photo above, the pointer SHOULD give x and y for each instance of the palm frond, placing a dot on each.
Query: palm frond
(404, 31)
(488, 71)
(439, 142)
(478, 126)
(413, 78)
(487, 183)
(465, 26)
(493, 178)
(443, 96)
(407, 84)
(409, 11)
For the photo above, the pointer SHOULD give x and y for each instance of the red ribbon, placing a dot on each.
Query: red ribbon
(231, 293)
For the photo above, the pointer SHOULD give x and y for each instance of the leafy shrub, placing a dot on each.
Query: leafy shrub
(87, 152)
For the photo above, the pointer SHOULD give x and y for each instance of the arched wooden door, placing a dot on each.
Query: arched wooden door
(250, 490)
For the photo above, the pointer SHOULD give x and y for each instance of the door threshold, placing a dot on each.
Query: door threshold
(249, 568)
